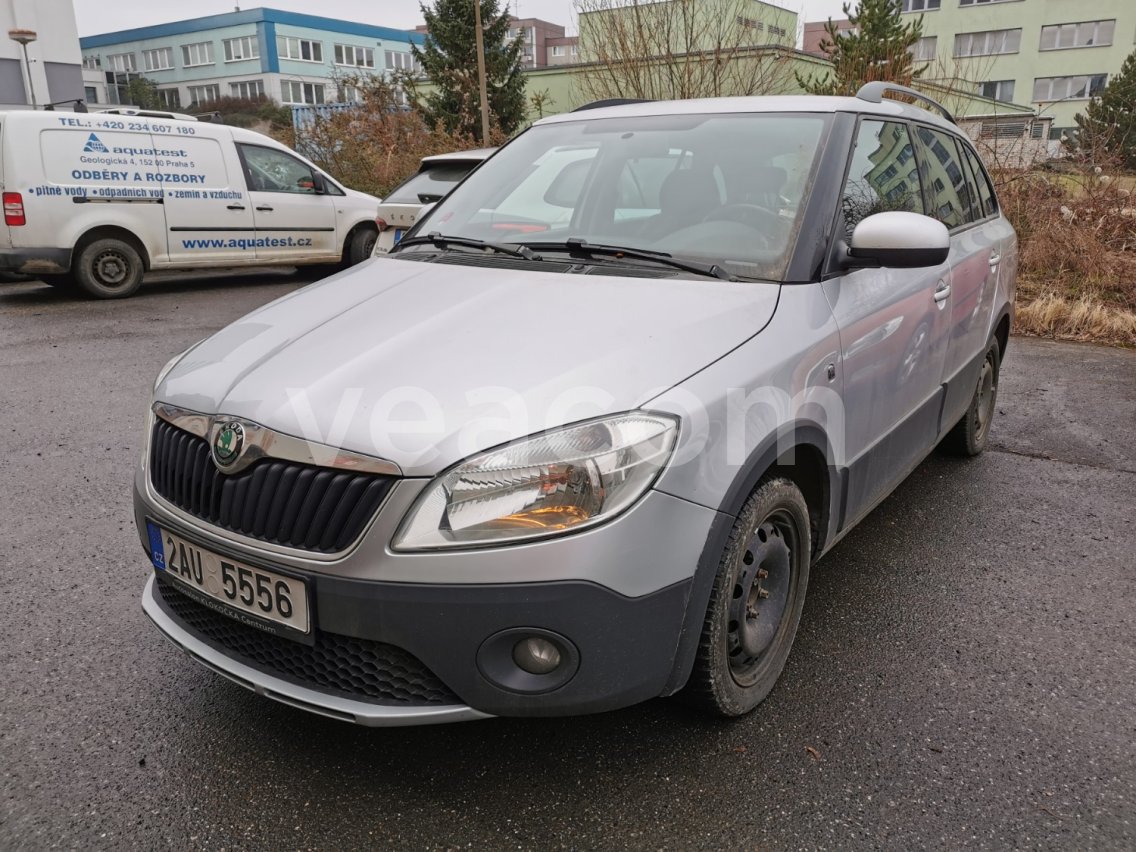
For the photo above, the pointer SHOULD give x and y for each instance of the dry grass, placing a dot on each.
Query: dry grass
(1077, 255)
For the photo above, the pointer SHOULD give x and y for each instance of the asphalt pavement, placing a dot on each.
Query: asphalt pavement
(964, 677)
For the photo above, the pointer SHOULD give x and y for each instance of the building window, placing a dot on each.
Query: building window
(170, 98)
(204, 94)
(558, 50)
(989, 43)
(90, 94)
(122, 62)
(981, 2)
(1068, 88)
(92, 63)
(574, 49)
(158, 59)
(250, 90)
(356, 57)
(924, 49)
(997, 90)
(200, 53)
(1087, 34)
(300, 49)
(345, 93)
(297, 92)
(780, 32)
(245, 47)
(918, 5)
(399, 60)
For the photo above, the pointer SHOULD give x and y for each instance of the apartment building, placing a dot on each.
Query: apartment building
(1053, 55)
(50, 71)
(536, 35)
(288, 57)
(562, 51)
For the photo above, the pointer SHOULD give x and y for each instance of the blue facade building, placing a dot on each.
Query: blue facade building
(289, 57)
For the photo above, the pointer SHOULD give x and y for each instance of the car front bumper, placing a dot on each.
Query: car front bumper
(622, 648)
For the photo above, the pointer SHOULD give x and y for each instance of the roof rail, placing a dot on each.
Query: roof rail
(874, 93)
(610, 102)
(148, 113)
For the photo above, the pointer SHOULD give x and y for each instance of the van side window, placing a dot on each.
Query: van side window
(943, 174)
(881, 177)
(985, 189)
(269, 170)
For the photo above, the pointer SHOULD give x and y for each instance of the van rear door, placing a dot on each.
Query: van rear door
(208, 212)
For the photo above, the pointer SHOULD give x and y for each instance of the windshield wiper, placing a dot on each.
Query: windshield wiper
(578, 247)
(441, 241)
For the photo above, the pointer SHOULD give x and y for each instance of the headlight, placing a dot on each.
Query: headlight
(555, 482)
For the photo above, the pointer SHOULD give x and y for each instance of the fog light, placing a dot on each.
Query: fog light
(536, 655)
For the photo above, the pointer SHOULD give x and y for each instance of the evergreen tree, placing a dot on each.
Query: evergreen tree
(878, 47)
(449, 60)
(142, 92)
(1108, 126)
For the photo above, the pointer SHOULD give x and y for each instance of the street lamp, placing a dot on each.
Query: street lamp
(26, 37)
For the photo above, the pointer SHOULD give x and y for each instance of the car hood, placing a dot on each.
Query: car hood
(423, 364)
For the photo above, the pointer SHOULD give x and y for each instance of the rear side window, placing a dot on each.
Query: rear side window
(949, 193)
(434, 184)
(882, 176)
(982, 179)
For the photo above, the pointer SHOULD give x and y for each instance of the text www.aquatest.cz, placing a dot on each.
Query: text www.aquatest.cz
(258, 242)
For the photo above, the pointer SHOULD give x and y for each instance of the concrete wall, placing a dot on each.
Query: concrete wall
(1029, 62)
(54, 54)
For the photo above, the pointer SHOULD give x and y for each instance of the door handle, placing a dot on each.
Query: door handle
(264, 209)
(995, 259)
(942, 291)
(235, 207)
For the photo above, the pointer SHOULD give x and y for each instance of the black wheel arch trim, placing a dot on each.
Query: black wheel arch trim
(767, 457)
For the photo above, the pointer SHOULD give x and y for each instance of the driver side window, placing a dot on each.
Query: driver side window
(883, 174)
(269, 170)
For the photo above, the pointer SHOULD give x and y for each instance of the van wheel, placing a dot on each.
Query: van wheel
(756, 603)
(108, 269)
(969, 435)
(360, 245)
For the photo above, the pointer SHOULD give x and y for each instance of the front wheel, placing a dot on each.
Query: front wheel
(756, 603)
(108, 269)
(360, 245)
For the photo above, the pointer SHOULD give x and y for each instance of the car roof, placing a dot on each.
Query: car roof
(764, 103)
(474, 155)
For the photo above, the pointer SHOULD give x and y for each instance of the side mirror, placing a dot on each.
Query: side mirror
(900, 240)
(319, 184)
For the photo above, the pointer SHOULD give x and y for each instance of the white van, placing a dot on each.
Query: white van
(99, 198)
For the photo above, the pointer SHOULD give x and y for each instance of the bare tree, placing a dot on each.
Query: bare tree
(681, 49)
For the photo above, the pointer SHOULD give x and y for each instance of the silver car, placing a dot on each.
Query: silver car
(436, 176)
(578, 440)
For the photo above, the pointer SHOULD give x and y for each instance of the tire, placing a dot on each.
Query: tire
(360, 245)
(108, 269)
(968, 437)
(739, 659)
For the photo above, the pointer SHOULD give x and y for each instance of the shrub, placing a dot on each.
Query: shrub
(375, 145)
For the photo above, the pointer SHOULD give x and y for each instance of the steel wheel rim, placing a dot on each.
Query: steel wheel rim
(369, 243)
(761, 596)
(984, 410)
(111, 268)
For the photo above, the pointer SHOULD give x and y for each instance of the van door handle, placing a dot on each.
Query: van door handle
(264, 209)
(235, 207)
(995, 259)
(942, 291)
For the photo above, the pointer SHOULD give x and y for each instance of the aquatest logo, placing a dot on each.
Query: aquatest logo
(95, 146)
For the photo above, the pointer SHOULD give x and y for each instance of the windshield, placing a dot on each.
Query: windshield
(723, 188)
(429, 185)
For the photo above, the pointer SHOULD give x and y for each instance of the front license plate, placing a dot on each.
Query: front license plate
(255, 591)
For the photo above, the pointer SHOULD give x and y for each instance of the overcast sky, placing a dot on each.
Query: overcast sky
(100, 16)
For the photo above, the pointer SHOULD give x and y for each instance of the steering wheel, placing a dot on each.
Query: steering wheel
(757, 217)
